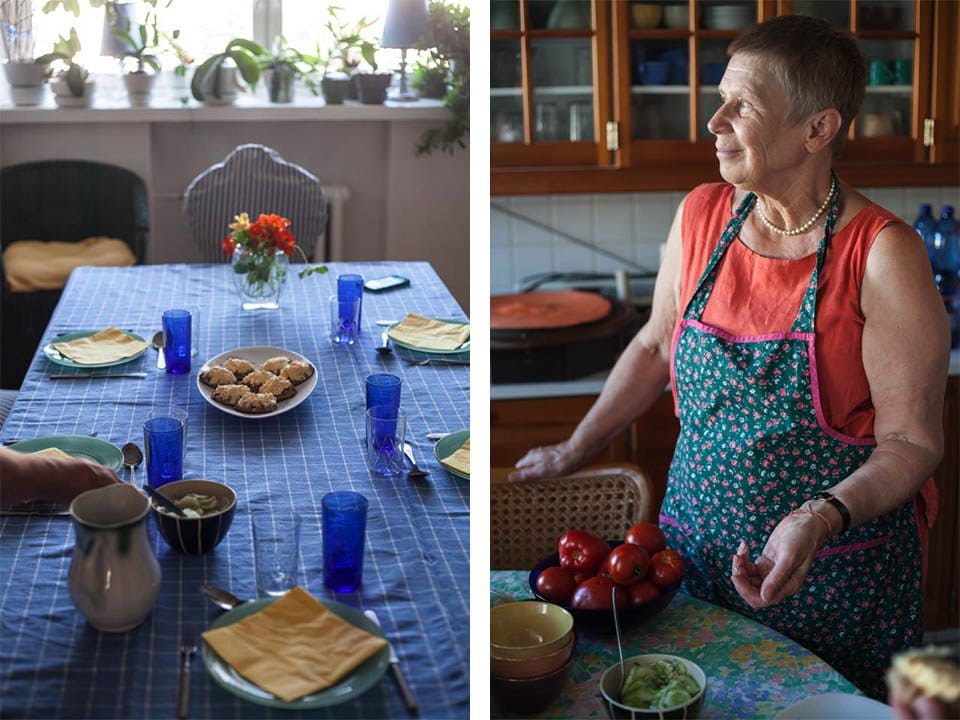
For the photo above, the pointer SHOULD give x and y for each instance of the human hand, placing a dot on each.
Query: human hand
(544, 462)
(784, 563)
(68, 477)
(923, 708)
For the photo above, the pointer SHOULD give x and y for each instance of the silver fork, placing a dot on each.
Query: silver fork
(187, 650)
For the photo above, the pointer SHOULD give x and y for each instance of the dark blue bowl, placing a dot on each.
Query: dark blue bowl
(602, 620)
(195, 536)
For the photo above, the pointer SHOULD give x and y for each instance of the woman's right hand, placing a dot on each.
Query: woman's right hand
(545, 462)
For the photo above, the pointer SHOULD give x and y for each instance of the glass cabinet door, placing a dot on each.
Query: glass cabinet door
(545, 64)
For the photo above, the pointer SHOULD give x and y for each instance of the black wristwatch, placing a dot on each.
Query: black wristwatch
(841, 508)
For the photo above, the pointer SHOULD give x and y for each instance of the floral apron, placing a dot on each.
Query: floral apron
(753, 446)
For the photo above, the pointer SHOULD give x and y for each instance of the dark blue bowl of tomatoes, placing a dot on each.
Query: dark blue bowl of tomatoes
(637, 604)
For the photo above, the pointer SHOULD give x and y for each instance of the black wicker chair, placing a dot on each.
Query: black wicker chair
(65, 200)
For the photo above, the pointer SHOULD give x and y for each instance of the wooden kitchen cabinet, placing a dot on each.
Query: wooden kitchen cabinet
(654, 88)
(518, 425)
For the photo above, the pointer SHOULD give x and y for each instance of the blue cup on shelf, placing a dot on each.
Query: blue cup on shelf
(654, 72)
(350, 287)
(677, 59)
(344, 531)
(163, 440)
(176, 341)
(712, 73)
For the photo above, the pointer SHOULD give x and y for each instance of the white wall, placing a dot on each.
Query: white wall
(632, 225)
(401, 207)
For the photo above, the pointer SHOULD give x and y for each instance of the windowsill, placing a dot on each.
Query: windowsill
(246, 108)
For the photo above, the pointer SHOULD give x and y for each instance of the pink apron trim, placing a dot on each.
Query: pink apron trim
(812, 360)
(853, 547)
(670, 521)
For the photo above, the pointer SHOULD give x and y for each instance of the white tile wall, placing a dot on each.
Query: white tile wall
(631, 225)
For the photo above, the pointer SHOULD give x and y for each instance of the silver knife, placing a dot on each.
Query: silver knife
(408, 699)
(139, 375)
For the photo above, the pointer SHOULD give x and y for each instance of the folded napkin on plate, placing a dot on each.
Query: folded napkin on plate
(429, 334)
(105, 346)
(460, 460)
(293, 647)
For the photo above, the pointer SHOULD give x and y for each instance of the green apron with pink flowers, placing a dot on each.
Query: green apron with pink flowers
(753, 446)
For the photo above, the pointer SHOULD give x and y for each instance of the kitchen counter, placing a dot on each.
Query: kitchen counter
(591, 385)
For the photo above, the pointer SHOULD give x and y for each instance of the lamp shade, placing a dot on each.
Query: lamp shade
(406, 22)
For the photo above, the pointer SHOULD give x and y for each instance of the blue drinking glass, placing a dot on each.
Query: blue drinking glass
(163, 440)
(176, 341)
(350, 287)
(344, 528)
(383, 390)
(384, 441)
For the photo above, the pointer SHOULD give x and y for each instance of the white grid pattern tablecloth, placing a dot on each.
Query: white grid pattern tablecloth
(416, 565)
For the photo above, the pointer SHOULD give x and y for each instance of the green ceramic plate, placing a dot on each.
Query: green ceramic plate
(460, 354)
(57, 359)
(447, 446)
(356, 683)
(82, 446)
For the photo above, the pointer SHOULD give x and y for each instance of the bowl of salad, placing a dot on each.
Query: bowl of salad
(657, 687)
(208, 506)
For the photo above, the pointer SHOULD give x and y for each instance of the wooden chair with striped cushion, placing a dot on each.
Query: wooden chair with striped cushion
(528, 518)
(254, 179)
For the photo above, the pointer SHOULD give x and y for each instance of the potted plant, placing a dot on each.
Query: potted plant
(347, 48)
(450, 33)
(26, 75)
(215, 80)
(71, 86)
(281, 68)
(140, 47)
(429, 79)
(371, 86)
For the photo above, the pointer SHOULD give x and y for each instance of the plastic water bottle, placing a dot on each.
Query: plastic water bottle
(946, 268)
(925, 224)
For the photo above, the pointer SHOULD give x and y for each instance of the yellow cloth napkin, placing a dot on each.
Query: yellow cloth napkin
(35, 265)
(429, 334)
(105, 346)
(460, 460)
(293, 647)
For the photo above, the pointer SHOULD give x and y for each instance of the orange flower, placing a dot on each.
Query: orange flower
(269, 233)
(228, 245)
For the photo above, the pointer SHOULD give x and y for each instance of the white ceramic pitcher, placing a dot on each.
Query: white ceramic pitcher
(114, 573)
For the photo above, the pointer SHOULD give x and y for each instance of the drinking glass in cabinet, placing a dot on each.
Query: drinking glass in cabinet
(547, 121)
(581, 122)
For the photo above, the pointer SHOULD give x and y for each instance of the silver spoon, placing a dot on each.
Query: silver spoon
(157, 343)
(384, 348)
(220, 597)
(132, 456)
(415, 472)
(616, 625)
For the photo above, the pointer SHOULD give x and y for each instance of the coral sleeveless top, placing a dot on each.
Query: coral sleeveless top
(755, 295)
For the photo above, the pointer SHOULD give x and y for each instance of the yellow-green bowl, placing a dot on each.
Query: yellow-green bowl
(528, 628)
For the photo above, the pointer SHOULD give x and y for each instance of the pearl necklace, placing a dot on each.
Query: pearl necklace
(834, 188)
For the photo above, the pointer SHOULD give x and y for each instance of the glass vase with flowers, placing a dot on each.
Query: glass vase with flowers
(259, 253)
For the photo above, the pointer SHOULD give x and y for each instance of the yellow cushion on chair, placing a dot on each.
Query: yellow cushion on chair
(36, 265)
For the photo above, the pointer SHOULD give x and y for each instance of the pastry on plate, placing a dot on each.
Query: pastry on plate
(230, 394)
(257, 378)
(239, 367)
(297, 372)
(216, 375)
(279, 387)
(274, 364)
(256, 403)
(930, 672)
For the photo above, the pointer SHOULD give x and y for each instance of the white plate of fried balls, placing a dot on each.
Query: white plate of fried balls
(256, 382)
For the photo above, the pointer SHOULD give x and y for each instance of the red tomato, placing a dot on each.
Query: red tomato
(580, 577)
(556, 584)
(596, 594)
(626, 564)
(666, 568)
(582, 552)
(648, 536)
(642, 592)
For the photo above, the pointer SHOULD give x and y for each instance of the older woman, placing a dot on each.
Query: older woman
(807, 348)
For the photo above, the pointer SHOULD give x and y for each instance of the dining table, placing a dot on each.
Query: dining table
(416, 560)
(752, 670)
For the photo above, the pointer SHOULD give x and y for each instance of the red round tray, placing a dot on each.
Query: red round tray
(546, 310)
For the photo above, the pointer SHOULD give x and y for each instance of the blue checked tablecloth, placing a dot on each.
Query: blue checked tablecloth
(415, 575)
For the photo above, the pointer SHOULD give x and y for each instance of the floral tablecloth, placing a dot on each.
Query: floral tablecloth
(752, 671)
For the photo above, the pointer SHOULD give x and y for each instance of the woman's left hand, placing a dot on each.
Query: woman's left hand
(784, 563)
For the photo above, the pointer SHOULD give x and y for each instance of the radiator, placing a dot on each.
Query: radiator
(331, 245)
